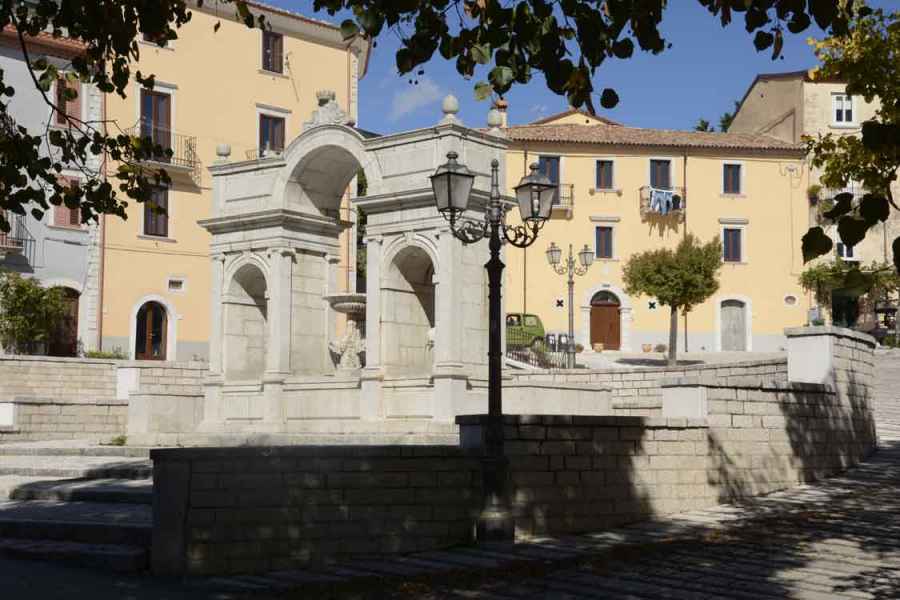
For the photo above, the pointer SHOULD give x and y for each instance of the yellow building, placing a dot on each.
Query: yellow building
(623, 190)
(236, 90)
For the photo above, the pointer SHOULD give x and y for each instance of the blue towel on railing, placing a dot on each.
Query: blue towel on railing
(661, 201)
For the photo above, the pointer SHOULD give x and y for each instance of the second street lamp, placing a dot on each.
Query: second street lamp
(452, 185)
(570, 268)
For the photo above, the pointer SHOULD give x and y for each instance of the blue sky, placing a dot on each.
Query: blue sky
(704, 71)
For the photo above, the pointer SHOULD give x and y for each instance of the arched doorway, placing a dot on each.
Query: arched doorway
(64, 340)
(734, 325)
(151, 332)
(606, 322)
(407, 317)
(246, 324)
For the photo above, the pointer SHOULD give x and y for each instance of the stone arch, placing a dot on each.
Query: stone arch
(65, 339)
(320, 164)
(408, 303)
(170, 329)
(246, 331)
(748, 319)
(625, 315)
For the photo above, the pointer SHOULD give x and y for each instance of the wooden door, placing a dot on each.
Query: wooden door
(734, 326)
(150, 332)
(549, 166)
(156, 118)
(64, 341)
(605, 325)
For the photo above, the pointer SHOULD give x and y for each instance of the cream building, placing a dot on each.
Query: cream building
(789, 106)
(247, 89)
(748, 189)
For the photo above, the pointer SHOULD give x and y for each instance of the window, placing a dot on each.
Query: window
(732, 245)
(844, 251)
(660, 174)
(66, 105)
(843, 109)
(549, 166)
(604, 242)
(604, 175)
(272, 44)
(271, 134)
(176, 284)
(63, 216)
(156, 215)
(156, 118)
(731, 179)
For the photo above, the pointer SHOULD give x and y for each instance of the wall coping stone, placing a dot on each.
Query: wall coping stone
(514, 374)
(589, 421)
(90, 401)
(270, 452)
(80, 360)
(829, 330)
(748, 381)
(560, 385)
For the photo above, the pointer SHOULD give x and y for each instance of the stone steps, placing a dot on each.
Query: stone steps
(79, 522)
(110, 491)
(112, 557)
(76, 467)
(71, 448)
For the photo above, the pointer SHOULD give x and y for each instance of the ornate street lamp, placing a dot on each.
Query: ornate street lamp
(452, 186)
(571, 268)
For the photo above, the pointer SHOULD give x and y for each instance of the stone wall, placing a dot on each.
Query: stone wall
(637, 392)
(237, 510)
(309, 320)
(59, 398)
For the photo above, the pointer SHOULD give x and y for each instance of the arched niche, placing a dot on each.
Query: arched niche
(408, 312)
(246, 331)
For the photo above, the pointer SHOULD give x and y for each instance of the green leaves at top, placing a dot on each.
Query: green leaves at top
(843, 203)
(815, 244)
(481, 53)
(349, 29)
(609, 98)
(874, 209)
(852, 230)
(483, 90)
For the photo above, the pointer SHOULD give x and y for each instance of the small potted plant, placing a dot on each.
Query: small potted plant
(812, 192)
(647, 347)
(598, 346)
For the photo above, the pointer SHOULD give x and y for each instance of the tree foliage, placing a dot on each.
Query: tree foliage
(823, 278)
(679, 279)
(29, 313)
(868, 60)
(703, 125)
(565, 42)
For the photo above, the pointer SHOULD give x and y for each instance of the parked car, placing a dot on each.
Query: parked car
(524, 329)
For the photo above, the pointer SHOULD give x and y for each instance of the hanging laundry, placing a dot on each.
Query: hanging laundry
(661, 201)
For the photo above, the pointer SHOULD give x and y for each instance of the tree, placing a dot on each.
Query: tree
(29, 313)
(868, 60)
(703, 125)
(879, 279)
(679, 279)
(566, 42)
(727, 117)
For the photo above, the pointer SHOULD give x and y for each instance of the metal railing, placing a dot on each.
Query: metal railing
(565, 197)
(533, 351)
(183, 147)
(19, 240)
(649, 206)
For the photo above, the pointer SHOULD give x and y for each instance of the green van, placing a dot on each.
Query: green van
(523, 329)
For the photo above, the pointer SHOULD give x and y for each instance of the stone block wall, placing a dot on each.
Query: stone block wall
(637, 392)
(238, 510)
(59, 398)
(308, 322)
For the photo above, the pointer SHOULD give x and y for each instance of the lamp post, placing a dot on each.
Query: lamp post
(570, 268)
(452, 185)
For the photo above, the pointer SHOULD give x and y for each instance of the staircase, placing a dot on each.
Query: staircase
(83, 504)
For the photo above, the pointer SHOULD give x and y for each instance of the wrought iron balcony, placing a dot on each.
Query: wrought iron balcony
(657, 203)
(19, 241)
(184, 147)
(564, 200)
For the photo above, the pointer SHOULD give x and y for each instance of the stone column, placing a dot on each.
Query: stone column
(449, 374)
(333, 285)
(215, 379)
(371, 400)
(278, 353)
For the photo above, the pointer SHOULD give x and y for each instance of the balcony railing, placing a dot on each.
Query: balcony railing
(564, 200)
(19, 241)
(662, 203)
(184, 147)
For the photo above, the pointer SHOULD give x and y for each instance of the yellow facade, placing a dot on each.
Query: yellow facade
(770, 210)
(217, 90)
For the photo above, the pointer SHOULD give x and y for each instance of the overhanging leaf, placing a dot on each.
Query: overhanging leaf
(349, 29)
(815, 243)
(483, 90)
(843, 203)
(852, 230)
(609, 98)
(481, 53)
(874, 208)
(896, 249)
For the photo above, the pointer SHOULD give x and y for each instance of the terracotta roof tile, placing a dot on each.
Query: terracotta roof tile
(633, 136)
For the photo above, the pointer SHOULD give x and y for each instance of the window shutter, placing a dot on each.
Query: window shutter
(277, 60)
(73, 106)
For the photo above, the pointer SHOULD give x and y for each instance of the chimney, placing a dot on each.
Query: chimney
(502, 105)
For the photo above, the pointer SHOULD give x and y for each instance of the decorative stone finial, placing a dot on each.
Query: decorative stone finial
(325, 96)
(328, 111)
(223, 151)
(450, 106)
(494, 119)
